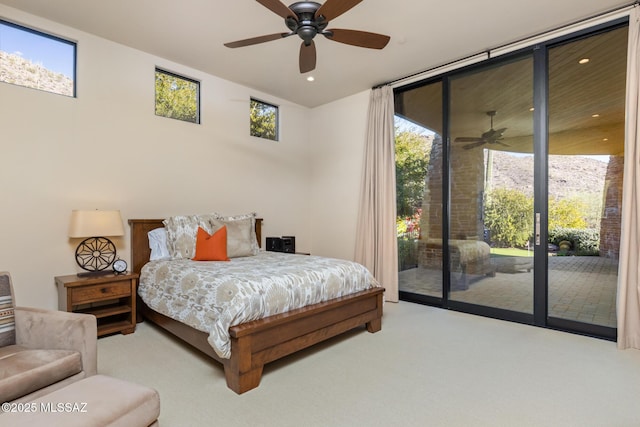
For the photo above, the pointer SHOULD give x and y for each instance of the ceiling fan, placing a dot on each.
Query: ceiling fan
(307, 19)
(492, 136)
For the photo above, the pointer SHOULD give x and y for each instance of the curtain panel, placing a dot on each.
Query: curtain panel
(376, 239)
(628, 300)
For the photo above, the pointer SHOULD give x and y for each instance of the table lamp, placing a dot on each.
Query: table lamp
(95, 253)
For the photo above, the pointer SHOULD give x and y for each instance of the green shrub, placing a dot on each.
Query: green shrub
(407, 254)
(584, 241)
(507, 215)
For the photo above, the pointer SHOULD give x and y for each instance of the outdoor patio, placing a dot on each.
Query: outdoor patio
(580, 288)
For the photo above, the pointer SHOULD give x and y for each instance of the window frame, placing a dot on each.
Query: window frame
(39, 33)
(276, 137)
(182, 77)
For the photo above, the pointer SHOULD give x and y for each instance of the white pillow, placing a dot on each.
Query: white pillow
(158, 244)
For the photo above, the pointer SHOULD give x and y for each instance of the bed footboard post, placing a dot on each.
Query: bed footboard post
(239, 370)
(376, 324)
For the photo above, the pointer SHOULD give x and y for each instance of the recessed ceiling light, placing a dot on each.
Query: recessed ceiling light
(310, 78)
(595, 115)
(605, 139)
(583, 61)
(531, 109)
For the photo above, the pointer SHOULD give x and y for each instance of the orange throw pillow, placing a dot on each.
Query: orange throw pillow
(211, 247)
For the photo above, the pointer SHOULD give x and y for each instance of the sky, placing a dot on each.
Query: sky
(53, 54)
(405, 125)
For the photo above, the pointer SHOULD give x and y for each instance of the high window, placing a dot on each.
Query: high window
(263, 120)
(37, 60)
(177, 97)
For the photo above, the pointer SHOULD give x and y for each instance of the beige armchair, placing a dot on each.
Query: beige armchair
(42, 350)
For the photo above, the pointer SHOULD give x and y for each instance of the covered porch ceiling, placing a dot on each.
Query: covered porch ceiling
(586, 101)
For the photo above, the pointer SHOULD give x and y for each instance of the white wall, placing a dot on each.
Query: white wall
(106, 149)
(338, 154)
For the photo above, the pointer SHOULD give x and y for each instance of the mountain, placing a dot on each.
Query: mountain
(568, 175)
(17, 70)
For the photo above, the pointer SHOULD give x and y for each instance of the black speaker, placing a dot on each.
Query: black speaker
(274, 244)
(288, 244)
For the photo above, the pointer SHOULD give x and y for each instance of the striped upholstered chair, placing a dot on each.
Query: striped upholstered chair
(7, 314)
(42, 350)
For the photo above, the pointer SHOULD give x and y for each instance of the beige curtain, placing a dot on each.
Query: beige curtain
(628, 303)
(376, 242)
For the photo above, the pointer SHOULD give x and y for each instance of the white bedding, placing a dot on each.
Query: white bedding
(212, 296)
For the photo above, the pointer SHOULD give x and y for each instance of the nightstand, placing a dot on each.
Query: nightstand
(111, 298)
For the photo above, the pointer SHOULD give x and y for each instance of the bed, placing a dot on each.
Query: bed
(254, 343)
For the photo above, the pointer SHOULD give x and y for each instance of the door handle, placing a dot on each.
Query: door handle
(537, 229)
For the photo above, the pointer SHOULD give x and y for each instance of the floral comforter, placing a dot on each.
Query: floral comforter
(212, 296)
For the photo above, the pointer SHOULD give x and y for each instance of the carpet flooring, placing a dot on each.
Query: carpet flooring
(427, 367)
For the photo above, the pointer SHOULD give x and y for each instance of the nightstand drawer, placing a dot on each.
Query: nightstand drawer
(100, 292)
(109, 297)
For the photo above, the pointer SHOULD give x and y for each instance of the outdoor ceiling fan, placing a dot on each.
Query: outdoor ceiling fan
(492, 136)
(307, 19)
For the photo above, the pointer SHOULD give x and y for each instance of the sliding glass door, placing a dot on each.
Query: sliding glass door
(510, 184)
(419, 190)
(586, 156)
(491, 186)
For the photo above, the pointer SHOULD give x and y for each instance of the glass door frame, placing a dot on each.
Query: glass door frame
(540, 316)
(447, 302)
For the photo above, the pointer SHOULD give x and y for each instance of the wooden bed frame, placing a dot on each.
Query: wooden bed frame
(253, 344)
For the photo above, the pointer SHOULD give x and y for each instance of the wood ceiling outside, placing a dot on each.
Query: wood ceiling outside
(576, 93)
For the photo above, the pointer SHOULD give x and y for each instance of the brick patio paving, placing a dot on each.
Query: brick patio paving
(580, 288)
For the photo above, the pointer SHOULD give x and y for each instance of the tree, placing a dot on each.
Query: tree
(263, 120)
(412, 158)
(176, 98)
(509, 216)
(566, 213)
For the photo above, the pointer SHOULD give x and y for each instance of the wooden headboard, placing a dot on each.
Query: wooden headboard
(140, 251)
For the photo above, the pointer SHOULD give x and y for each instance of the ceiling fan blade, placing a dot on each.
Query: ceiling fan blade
(468, 139)
(357, 38)
(333, 8)
(473, 145)
(256, 40)
(307, 57)
(493, 133)
(278, 8)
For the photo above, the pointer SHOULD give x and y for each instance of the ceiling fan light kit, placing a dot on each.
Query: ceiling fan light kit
(306, 19)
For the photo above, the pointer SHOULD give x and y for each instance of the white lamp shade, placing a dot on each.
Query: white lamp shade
(95, 224)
